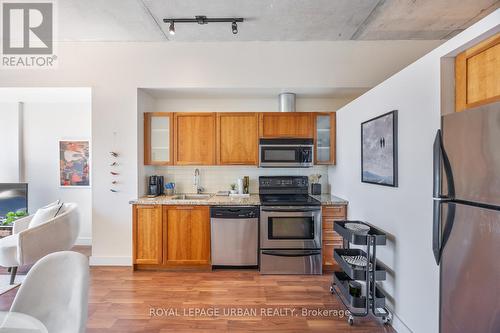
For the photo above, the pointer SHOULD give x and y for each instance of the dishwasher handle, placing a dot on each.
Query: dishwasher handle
(238, 212)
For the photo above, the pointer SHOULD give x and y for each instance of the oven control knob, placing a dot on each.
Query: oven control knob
(251, 214)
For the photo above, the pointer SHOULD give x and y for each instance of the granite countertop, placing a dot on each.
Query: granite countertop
(330, 199)
(214, 200)
(253, 200)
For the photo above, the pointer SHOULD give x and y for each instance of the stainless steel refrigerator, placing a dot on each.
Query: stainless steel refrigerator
(466, 226)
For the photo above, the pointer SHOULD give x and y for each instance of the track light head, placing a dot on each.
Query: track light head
(171, 28)
(234, 27)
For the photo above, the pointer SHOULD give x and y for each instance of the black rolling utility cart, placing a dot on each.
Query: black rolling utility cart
(356, 285)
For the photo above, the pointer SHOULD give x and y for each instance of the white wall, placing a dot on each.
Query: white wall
(405, 212)
(248, 104)
(116, 70)
(48, 116)
(10, 142)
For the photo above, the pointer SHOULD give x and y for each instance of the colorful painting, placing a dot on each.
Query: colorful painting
(379, 150)
(74, 163)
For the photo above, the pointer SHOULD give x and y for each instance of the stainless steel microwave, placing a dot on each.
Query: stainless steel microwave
(286, 153)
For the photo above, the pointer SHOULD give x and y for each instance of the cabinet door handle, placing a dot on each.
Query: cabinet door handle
(184, 208)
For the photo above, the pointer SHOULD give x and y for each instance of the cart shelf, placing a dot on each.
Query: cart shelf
(341, 280)
(356, 239)
(357, 272)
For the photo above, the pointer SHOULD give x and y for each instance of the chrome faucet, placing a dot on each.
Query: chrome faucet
(196, 182)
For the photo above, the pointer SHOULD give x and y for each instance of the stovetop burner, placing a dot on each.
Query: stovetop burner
(288, 200)
(285, 191)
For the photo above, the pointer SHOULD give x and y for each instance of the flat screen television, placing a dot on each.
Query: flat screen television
(13, 197)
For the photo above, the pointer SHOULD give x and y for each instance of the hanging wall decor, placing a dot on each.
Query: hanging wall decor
(379, 150)
(74, 163)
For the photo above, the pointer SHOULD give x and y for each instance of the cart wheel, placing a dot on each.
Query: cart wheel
(350, 320)
(387, 319)
(331, 289)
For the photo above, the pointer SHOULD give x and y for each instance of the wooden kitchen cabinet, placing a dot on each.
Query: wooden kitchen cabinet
(187, 235)
(147, 234)
(158, 138)
(237, 138)
(477, 74)
(324, 137)
(194, 138)
(286, 125)
(331, 240)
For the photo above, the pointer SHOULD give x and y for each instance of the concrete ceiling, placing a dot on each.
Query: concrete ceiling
(269, 20)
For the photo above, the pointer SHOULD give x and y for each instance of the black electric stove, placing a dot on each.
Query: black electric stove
(285, 191)
(290, 227)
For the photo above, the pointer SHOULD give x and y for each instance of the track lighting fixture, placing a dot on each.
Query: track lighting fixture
(201, 19)
(171, 28)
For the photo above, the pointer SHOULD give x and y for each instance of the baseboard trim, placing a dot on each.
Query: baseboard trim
(110, 261)
(398, 324)
(84, 241)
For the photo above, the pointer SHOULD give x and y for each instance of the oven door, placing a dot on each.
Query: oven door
(290, 227)
(276, 156)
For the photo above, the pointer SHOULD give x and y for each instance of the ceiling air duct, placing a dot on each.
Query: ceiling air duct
(287, 102)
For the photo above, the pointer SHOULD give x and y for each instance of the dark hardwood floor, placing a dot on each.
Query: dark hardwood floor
(121, 300)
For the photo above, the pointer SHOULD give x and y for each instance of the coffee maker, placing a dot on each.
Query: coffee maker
(155, 186)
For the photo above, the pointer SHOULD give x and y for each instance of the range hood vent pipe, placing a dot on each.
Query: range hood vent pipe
(287, 102)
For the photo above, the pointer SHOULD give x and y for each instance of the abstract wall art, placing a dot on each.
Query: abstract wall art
(379, 147)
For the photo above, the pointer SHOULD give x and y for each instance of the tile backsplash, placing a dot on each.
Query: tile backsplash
(217, 178)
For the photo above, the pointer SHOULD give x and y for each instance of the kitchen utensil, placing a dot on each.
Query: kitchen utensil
(246, 184)
(240, 186)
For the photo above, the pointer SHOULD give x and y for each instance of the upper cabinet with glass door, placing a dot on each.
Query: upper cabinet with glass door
(324, 138)
(158, 137)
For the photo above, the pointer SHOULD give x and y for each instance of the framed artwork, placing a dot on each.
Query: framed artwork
(379, 150)
(74, 163)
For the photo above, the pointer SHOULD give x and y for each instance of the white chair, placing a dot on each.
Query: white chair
(55, 292)
(26, 245)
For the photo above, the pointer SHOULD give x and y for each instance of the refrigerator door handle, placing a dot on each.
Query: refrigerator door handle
(436, 230)
(448, 225)
(441, 158)
(436, 188)
(439, 240)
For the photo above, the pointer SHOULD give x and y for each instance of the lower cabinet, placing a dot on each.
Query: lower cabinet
(171, 237)
(331, 240)
(188, 235)
(147, 234)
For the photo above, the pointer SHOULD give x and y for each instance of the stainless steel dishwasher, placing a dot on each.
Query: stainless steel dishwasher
(235, 236)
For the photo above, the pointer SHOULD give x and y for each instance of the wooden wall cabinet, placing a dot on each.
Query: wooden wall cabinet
(286, 125)
(325, 132)
(331, 240)
(158, 138)
(237, 138)
(188, 235)
(477, 75)
(231, 138)
(147, 234)
(194, 138)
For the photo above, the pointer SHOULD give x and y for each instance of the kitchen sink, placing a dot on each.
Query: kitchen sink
(193, 196)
